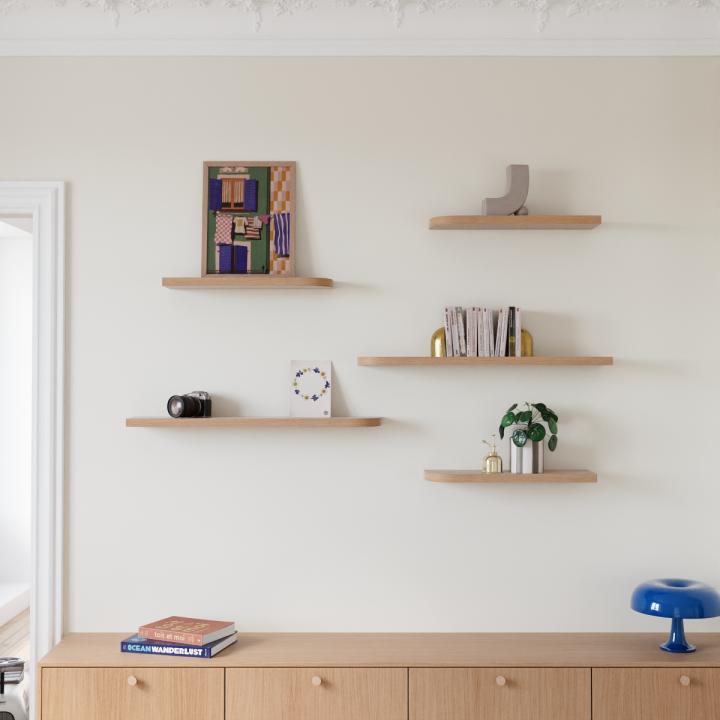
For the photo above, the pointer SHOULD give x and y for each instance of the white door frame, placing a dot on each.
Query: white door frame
(45, 201)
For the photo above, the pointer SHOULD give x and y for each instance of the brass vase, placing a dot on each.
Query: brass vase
(493, 463)
(526, 343)
(437, 343)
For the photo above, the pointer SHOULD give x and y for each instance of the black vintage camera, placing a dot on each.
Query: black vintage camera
(193, 405)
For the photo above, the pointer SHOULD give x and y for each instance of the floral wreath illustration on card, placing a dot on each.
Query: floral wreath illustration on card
(310, 383)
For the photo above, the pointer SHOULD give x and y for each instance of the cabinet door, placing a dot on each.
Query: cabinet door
(499, 694)
(132, 694)
(656, 694)
(316, 694)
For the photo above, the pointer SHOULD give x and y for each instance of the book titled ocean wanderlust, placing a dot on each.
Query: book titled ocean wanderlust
(138, 644)
(186, 631)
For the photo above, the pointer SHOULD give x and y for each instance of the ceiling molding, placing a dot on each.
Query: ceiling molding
(275, 47)
(360, 27)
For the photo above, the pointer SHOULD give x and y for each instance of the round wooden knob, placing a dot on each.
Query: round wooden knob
(500, 680)
(132, 680)
(316, 680)
(684, 680)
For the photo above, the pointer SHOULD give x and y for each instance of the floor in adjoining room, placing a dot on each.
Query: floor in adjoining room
(15, 637)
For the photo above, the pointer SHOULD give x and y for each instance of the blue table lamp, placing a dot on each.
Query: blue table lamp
(677, 599)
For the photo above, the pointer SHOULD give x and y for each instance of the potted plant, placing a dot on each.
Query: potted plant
(527, 439)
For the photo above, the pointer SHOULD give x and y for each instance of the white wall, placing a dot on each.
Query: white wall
(331, 530)
(15, 416)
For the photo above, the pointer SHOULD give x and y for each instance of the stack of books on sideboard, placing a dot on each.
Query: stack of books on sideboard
(181, 637)
(480, 332)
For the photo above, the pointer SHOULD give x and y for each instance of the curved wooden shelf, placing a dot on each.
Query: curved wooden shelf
(479, 476)
(515, 222)
(247, 281)
(375, 361)
(235, 422)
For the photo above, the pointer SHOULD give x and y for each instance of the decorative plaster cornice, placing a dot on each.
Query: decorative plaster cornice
(396, 8)
(542, 9)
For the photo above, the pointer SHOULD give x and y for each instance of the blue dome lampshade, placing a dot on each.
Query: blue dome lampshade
(677, 599)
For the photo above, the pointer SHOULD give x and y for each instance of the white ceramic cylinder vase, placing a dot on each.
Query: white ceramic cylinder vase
(529, 459)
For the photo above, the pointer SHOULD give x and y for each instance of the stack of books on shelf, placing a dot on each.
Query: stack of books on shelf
(480, 332)
(182, 637)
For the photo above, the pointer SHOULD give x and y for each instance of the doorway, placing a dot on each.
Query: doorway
(32, 334)
(16, 317)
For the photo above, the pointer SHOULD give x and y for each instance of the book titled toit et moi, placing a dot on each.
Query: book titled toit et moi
(138, 644)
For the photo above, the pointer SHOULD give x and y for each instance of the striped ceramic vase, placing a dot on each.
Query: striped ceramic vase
(528, 459)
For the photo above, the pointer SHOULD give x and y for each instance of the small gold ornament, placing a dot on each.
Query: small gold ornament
(526, 344)
(493, 462)
(437, 343)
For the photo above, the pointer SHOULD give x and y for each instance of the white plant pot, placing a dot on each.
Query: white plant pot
(529, 459)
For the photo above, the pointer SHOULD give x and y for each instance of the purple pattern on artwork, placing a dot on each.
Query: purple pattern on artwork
(251, 195)
(214, 194)
(281, 224)
(224, 258)
(240, 259)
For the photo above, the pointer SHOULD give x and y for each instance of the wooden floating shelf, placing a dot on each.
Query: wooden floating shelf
(515, 222)
(247, 281)
(235, 422)
(528, 360)
(478, 476)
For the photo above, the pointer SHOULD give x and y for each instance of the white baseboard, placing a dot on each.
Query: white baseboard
(13, 600)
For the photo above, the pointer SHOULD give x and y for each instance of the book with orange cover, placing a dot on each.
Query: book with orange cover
(187, 631)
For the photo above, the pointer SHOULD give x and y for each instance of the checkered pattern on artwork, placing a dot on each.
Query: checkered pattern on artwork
(280, 202)
(223, 229)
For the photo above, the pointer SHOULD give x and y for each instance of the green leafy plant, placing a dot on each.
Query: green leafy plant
(530, 424)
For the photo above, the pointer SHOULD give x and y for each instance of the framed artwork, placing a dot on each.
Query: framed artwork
(248, 218)
(310, 388)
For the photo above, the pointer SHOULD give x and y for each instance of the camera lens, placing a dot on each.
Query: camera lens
(183, 406)
(175, 406)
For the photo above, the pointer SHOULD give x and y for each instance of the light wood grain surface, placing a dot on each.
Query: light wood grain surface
(515, 222)
(405, 650)
(499, 694)
(479, 476)
(111, 694)
(239, 422)
(656, 694)
(440, 361)
(317, 694)
(247, 281)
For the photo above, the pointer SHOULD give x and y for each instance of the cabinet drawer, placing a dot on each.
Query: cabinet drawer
(499, 694)
(656, 694)
(316, 694)
(132, 694)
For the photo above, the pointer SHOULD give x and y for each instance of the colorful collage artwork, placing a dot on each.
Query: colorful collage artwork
(249, 218)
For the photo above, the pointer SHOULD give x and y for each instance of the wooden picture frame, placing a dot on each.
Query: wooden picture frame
(249, 218)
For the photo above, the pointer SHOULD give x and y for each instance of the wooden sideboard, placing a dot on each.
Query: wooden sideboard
(565, 676)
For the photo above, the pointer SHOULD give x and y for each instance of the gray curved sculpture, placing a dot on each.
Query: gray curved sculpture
(513, 201)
